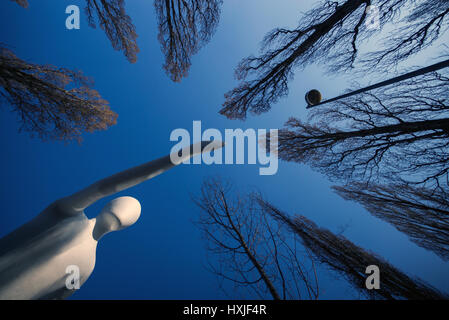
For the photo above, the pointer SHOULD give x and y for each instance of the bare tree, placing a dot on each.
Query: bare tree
(426, 22)
(117, 25)
(253, 251)
(53, 103)
(331, 33)
(398, 133)
(422, 214)
(184, 28)
(114, 21)
(350, 260)
(22, 3)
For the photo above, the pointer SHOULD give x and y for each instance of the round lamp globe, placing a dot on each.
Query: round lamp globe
(313, 97)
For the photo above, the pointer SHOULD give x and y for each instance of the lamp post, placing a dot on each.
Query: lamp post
(313, 97)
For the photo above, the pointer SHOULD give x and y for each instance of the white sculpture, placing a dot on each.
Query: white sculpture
(34, 259)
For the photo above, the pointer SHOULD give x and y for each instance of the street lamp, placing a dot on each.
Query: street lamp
(313, 97)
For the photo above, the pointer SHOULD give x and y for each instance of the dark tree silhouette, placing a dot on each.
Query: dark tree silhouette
(422, 214)
(426, 22)
(114, 21)
(253, 251)
(53, 103)
(332, 33)
(346, 258)
(184, 28)
(117, 25)
(398, 133)
(22, 3)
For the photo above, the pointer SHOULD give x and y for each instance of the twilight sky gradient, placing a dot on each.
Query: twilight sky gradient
(163, 252)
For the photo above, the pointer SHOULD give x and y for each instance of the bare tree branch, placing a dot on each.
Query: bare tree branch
(398, 133)
(421, 214)
(117, 25)
(425, 24)
(22, 3)
(331, 34)
(252, 249)
(344, 257)
(185, 26)
(53, 103)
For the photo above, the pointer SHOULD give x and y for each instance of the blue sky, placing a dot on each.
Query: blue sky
(163, 255)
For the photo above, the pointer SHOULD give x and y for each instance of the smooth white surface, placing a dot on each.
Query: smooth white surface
(34, 257)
